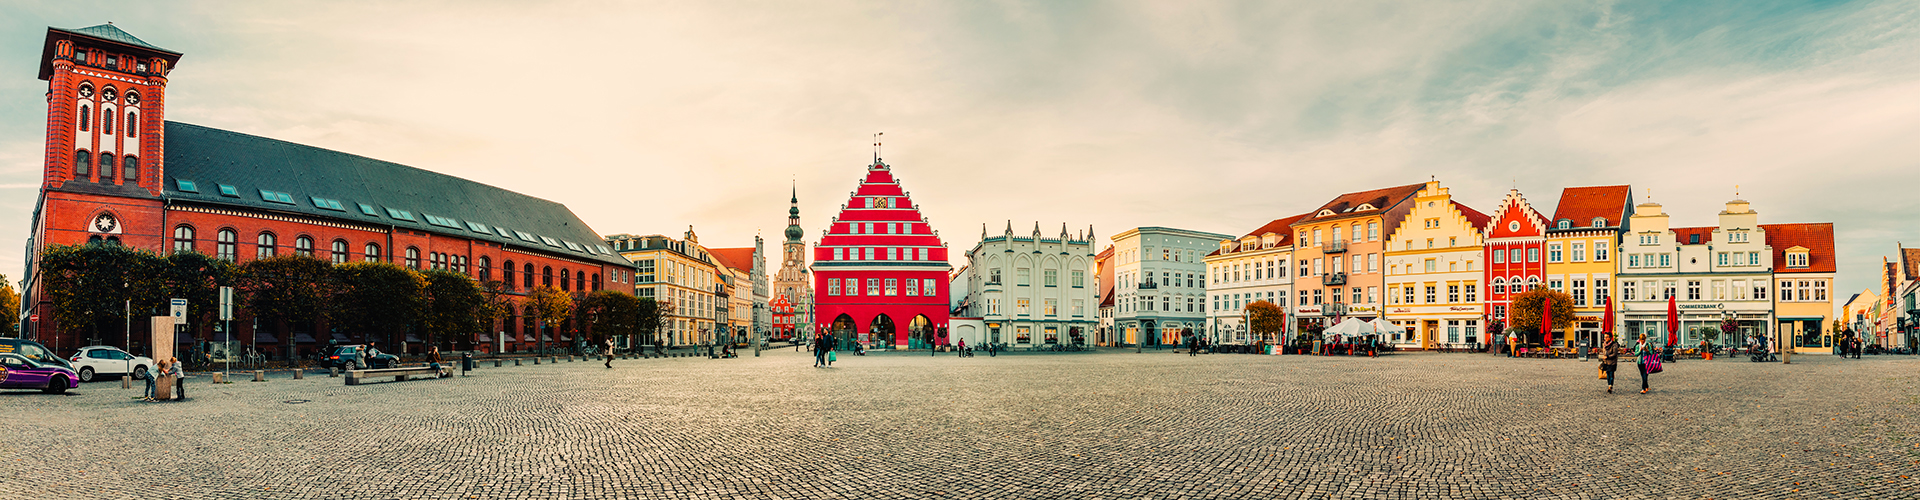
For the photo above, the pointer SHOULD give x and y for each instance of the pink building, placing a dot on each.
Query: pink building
(880, 271)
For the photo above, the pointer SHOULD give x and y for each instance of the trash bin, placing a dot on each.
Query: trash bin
(466, 362)
(1583, 350)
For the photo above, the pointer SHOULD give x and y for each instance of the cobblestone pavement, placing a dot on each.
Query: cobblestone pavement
(1080, 425)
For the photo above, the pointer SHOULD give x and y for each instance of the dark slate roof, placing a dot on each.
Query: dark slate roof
(109, 32)
(211, 157)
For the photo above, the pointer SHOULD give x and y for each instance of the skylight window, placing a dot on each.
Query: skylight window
(368, 209)
(328, 204)
(502, 231)
(526, 237)
(442, 221)
(401, 214)
(573, 247)
(186, 186)
(229, 191)
(550, 241)
(276, 197)
(604, 250)
(477, 227)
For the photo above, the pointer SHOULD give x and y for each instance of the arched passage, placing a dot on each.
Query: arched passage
(920, 333)
(880, 332)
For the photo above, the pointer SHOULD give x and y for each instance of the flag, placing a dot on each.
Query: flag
(1673, 322)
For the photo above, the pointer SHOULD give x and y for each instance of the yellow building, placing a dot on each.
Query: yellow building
(1803, 271)
(683, 277)
(1581, 243)
(1434, 272)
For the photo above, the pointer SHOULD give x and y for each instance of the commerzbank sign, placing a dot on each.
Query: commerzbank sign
(1703, 306)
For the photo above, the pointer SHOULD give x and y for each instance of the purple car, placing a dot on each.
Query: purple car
(25, 364)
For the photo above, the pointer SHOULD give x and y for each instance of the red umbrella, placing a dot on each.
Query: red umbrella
(1673, 322)
(1606, 322)
(1546, 320)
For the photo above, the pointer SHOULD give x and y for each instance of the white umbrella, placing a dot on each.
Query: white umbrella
(1349, 329)
(1381, 326)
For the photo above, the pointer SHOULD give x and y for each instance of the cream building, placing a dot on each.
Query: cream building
(682, 276)
(1434, 271)
(1245, 270)
(1715, 274)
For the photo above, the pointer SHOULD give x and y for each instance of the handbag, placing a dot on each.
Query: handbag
(1603, 374)
(1653, 363)
(831, 357)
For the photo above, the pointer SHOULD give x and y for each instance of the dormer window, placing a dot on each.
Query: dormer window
(1563, 224)
(1797, 257)
(1599, 222)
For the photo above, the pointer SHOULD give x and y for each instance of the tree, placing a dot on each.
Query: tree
(649, 319)
(285, 289)
(378, 299)
(610, 314)
(1265, 319)
(548, 305)
(454, 305)
(10, 301)
(90, 286)
(495, 306)
(1526, 309)
(197, 277)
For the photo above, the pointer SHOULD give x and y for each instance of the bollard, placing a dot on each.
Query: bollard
(516, 361)
(299, 374)
(496, 363)
(126, 381)
(259, 375)
(536, 360)
(333, 371)
(219, 378)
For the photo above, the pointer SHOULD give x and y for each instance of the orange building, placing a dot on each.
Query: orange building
(1339, 249)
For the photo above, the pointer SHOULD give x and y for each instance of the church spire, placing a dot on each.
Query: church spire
(794, 232)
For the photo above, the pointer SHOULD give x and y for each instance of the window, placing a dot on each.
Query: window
(486, 269)
(303, 246)
(1626, 290)
(913, 287)
(368, 209)
(833, 287)
(1719, 290)
(1666, 260)
(867, 253)
(873, 287)
(331, 204)
(1050, 277)
(893, 253)
(1499, 256)
(1753, 258)
(1553, 252)
(1432, 265)
(1433, 294)
(1051, 307)
(1601, 289)
(408, 216)
(1453, 331)
(923, 254)
(1022, 276)
(1453, 293)
(372, 253)
(1579, 252)
(1473, 292)
(928, 287)
(1373, 231)
(130, 168)
(1600, 251)
(839, 254)
(1556, 285)
(1373, 263)
(1356, 295)
(1671, 290)
(644, 274)
(276, 197)
(1533, 255)
(893, 287)
(546, 275)
(1759, 289)
(1356, 232)
(106, 167)
(86, 118)
(1079, 278)
(413, 258)
(226, 245)
(1796, 259)
(1579, 293)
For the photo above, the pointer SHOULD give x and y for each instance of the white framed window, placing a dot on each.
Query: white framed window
(893, 287)
(833, 287)
(1600, 253)
(873, 287)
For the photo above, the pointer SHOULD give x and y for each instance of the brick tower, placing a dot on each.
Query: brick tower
(881, 270)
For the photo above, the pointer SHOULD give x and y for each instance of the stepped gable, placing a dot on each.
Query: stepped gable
(1816, 237)
(1515, 207)
(879, 199)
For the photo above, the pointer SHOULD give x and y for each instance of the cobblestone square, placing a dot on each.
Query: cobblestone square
(1110, 424)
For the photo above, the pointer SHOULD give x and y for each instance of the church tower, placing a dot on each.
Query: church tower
(795, 283)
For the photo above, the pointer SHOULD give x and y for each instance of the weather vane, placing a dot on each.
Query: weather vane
(876, 146)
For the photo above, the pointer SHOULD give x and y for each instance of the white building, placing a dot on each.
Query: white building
(1245, 270)
(1715, 273)
(1029, 291)
(1160, 284)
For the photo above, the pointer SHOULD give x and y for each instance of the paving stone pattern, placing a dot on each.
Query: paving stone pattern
(1111, 424)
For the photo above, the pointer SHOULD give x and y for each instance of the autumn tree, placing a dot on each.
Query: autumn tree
(196, 277)
(548, 305)
(454, 304)
(9, 301)
(1527, 307)
(612, 314)
(286, 289)
(1265, 319)
(378, 299)
(92, 286)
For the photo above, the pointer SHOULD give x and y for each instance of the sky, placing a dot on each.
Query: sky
(648, 117)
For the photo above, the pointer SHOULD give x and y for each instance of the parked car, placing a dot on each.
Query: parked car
(353, 357)
(92, 361)
(25, 364)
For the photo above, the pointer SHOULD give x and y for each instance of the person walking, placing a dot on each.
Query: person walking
(1646, 353)
(609, 353)
(1610, 359)
(819, 350)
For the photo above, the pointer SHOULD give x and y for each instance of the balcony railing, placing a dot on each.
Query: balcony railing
(1148, 285)
(1336, 246)
(1337, 279)
(1334, 309)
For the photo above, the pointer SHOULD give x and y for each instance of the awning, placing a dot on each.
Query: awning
(546, 338)
(303, 338)
(484, 338)
(411, 338)
(564, 338)
(264, 338)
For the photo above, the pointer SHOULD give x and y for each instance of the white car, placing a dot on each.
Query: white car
(92, 361)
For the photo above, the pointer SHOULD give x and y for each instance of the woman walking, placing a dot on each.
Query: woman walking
(1610, 359)
(1646, 354)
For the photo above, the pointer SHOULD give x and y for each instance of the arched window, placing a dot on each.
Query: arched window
(526, 275)
(266, 246)
(133, 124)
(596, 282)
(106, 167)
(183, 238)
(580, 280)
(413, 258)
(546, 276)
(86, 118)
(486, 269)
(339, 251)
(106, 120)
(373, 252)
(130, 168)
(563, 280)
(226, 245)
(506, 275)
(82, 164)
(303, 246)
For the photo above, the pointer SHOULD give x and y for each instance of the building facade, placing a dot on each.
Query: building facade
(683, 278)
(1803, 273)
(795, 281)
(1160, 284)
(881, 269)
(1515, 241)
(1338, 250)
(1255, 267)
(1434, 274)
(117, 173)
(1031, 291)
(744, 288)
(1715, 274)
(1103, 272)
(1581, 244)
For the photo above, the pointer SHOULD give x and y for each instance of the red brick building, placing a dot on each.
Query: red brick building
(118, 173)
(880, 270)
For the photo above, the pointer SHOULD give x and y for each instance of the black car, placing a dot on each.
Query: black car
(354, 357)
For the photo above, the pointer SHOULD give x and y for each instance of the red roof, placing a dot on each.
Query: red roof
(1105, 261)
(1912, 258)
(1478, 219)
(1380, 199)
(1583, 204)
(1279, 227)
(737, 258)
(1685, 235)
(1816, 237)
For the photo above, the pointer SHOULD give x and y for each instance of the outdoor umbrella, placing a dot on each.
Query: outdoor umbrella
(1546, 320)
(1673, 322)
(1606, 322)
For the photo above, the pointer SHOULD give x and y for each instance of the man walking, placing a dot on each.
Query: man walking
(609, 353)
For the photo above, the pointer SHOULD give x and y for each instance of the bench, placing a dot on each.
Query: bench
(356, 377)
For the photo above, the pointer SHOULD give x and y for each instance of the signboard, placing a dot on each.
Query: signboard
(1312, 309)
(226, 303)
(179, 311)
(34, 318)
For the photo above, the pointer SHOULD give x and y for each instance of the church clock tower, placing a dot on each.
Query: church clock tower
(795, 282)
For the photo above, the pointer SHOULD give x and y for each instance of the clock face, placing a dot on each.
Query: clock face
(108, 94)
(133, 98)
(86, 91)
(1513, 226)
(880, 203)
(105, 223)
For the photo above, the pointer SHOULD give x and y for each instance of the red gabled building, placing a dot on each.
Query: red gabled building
(880, 270)
(1514, 244)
